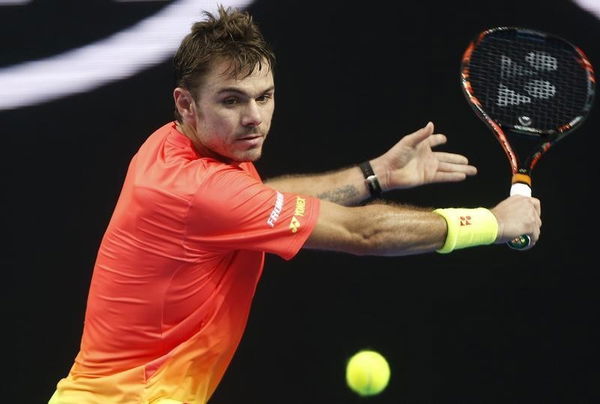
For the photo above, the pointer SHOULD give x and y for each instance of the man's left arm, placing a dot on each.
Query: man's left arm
(409, 163)
(345, 187)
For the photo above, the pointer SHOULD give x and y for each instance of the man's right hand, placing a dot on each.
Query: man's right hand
(518, 215)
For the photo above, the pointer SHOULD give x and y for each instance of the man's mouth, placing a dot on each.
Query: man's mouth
(250, 137)
(250, 141)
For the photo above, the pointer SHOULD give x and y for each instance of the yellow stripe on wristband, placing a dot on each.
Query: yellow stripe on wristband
(468, 228)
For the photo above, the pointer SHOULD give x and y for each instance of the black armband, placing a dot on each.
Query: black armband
(371, 179)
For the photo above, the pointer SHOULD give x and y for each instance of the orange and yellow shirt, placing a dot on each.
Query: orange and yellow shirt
(176, 273)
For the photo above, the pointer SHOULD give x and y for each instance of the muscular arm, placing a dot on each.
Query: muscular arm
(345, 187)
(387, 229)
(392, 230)
(377, 229)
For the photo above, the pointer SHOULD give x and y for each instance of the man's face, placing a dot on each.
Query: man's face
(234, 115)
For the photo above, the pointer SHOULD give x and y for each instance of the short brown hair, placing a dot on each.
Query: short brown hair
(232, 35)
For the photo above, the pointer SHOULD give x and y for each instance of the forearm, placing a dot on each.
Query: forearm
(345, 186)
(378, 229)
(401, 231)
(387, 229)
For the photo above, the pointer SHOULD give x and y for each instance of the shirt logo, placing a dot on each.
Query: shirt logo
(274, 216)
(300, 208)
(294, 224)
(465, 220)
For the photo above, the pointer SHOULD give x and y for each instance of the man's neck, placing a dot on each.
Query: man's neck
(200, 149)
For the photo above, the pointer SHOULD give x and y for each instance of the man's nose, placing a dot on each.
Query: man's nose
(252, 114)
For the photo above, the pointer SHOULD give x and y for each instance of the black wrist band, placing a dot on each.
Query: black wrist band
(370, 179)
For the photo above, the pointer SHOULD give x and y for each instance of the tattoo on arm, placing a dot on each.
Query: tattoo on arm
(340, 195)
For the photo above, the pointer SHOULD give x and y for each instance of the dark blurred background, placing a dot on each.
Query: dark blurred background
(482, 325)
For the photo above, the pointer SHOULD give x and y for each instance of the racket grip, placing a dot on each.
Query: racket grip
(523, 241)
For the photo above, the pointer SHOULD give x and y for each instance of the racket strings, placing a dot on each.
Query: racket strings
(532, 84)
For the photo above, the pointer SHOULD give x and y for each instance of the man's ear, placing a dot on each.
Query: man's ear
(184, 102)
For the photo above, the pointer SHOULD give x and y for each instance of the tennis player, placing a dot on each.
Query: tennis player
(178, 265)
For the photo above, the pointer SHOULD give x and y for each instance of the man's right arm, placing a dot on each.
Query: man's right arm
(395, 230)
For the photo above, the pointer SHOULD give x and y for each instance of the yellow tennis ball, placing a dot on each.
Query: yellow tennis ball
(367, 373)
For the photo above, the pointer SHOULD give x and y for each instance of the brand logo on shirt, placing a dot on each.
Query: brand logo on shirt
(300, 208)
(465, 220)
(274, 216)
(294, 224)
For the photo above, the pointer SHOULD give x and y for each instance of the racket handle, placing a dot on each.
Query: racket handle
(523, 241)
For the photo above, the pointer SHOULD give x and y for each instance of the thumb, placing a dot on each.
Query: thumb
(418, 136)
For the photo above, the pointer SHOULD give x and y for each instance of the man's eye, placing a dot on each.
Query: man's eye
(264, 98)
(230, 101)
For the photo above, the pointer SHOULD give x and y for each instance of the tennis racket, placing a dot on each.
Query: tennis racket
(529, 87)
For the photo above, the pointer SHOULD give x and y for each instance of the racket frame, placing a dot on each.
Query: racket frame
(521, 173)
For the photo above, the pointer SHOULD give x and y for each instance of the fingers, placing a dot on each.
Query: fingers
(456, 174)
(537, 220)
(533, 220)
(457, 168)
(538, 205)
(518, 215)
(451, 158)
(454, 167)
(429, 127)
(449, 176)
(420, 135)
(437, 139)
(425, 133)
